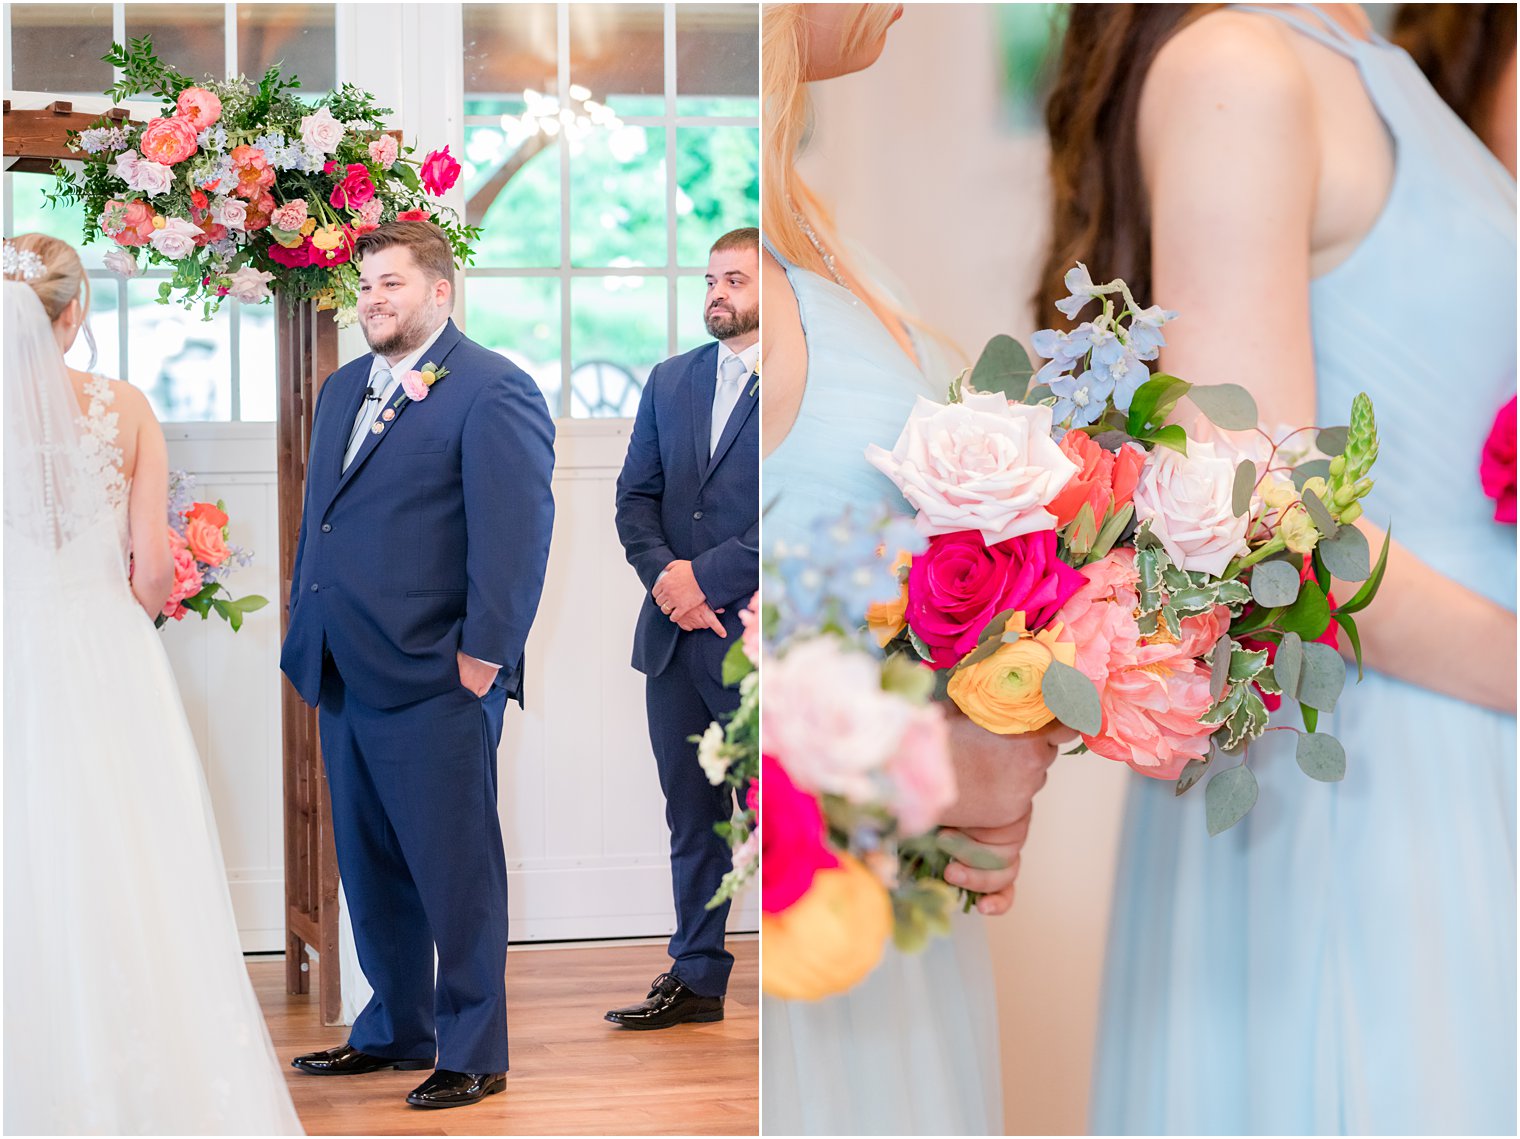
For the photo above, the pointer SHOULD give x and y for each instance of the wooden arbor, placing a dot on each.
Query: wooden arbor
(306, 350)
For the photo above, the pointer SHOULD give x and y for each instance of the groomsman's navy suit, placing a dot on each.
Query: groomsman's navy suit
(674, 502)
(433, 540)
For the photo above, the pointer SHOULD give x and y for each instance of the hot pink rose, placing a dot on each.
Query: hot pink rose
(439, 172)
(923, 779)
(1497, 466)
(414, 385)
(959, 583)
(295, 258)
(168, 141)
(383, 151)
(128, 223)
(200, 106)
(792, 846)
(355, 189)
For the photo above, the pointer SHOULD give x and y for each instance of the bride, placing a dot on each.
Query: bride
(913, 1048)
(128, 1008)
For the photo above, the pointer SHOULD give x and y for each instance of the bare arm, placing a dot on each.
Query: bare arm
(153, 569)
(1229, 151)
(783, 357)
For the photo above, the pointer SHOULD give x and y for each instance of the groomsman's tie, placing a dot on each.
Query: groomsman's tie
(731, 376)
(367, 412)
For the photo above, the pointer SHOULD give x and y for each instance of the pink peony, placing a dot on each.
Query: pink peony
(128, 223)
(1496, 468)
(439, 172)
(923, 779)
(200, 107)
(1189, 502)
(383, 151)
(251, 171)
(168, 141)
(959, 583)
(355, 189)
(414, 385)
(792, 848)
(982, 464)
(260, 210)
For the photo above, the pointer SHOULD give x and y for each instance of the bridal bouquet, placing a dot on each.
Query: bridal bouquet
(855, 770)
(730, 754)
(240, 187)
(198, 533)
(1152, 586)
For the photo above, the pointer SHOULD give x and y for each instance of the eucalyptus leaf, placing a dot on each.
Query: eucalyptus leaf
(1037, 393)
(1364, 596)
(963, 849)
(1245, 487)
(1322, 757)
(1319, 514)
(1228, 796)
(1309, 616)
(1003, 367)
(1274, 584)
(1347, 555)
(1228, 406)
(1289, 663)
(1313, 469)
(1323, 678)
(1191, 774)
(1072, 698)
(1219, 669)
(1332, 440)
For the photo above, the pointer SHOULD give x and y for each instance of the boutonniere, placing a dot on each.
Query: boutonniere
(417, 382)
(754, 387)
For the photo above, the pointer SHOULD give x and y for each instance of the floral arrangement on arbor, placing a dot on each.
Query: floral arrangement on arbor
(243, 188)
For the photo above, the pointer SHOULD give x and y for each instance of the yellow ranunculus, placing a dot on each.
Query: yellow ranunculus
(328, 237)
(289, 239)
(888, 618)
(830, 938)
(308, 227)
(1002, 692)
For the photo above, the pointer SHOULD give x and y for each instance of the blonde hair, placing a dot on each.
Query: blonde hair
(786, 112)
(62, 279)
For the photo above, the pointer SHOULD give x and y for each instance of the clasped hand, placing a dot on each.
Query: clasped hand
(681, 599)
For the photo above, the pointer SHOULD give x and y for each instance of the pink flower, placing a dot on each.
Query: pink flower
(982, 464)
(1105, 480)
(120, 261)
(151, 178)
(923, 779)
(958, 584)
(1496, 468)
(187, 575)
(413, 215)
(369, 212)
(383, 151)
(168, 141)
(250, 285)
(414, 385)
(290, 217)
(260, 209)
(252, 172)
(200, 106)
(1188, 501)
(295, 258)
(749, 617)
(792, 846)
(204, 523)
(355, 189)
(128, 223)
(321, 131)
(176, 238)
(231, 212)
(439, 172)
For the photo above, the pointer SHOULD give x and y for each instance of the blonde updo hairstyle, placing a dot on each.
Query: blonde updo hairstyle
(62, 282)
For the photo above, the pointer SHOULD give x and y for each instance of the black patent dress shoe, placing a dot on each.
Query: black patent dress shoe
(669, 1002)
(455, 1089)
(347, 1060)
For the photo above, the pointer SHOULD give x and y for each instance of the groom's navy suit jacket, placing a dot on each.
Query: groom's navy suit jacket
(674, 502)
(436, 537)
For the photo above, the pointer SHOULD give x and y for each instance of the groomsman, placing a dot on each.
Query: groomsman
(688, 515)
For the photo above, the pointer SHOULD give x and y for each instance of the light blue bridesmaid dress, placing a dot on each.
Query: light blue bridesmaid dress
(1343, 961)
(913, 1049)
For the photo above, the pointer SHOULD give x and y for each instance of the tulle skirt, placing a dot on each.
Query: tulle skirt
(1341, 962)
(911, 1050)
(128, 1007)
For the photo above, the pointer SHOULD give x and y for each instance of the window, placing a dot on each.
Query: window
(192, 370)
(606, 147)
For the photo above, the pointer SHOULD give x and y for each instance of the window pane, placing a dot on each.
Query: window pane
(691, 302)
(30, 213)
(104, 326)
(617, 198)
(181, 362)
(511, 187)
(519, 318)
(617, 334)
(58, 48)
(718, 175)
(717, 59)
(617, 52)
(257, 372)
(298, 37)
(509, 47)
(188, 37)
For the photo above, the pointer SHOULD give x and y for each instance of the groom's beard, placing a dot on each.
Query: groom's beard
(407, 337)
(726, 323)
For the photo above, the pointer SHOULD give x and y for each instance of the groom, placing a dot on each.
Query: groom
(688, 514)
(424, 538)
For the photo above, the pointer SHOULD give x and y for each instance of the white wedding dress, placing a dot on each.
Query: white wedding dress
(128, 1008)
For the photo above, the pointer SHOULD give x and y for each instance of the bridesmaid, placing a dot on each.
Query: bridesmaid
(1343, 961)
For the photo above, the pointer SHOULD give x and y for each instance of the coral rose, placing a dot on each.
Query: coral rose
(200, 107)
(168, 141)
(1188, 501)
(206, 542)
(831, 938)
(1002, 692)
(187, 576)
(128, 223)
(413, 215)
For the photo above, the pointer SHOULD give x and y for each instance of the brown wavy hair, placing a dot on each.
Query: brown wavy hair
(1462, 49)
(1100, 215)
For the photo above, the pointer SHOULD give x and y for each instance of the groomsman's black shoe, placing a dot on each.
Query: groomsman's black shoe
(669, 1002)
(349, 1061)
(455, 1089)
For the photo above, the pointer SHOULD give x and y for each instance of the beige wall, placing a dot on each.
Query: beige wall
(910, 157)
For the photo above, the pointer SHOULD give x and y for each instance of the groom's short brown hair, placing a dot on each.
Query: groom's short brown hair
(429, 246)
(748, 238)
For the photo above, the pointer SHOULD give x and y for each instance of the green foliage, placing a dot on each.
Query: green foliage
(1228, 796)
(1323, 677)
(1153, 402)
(1072, 698)
(1244, 488)
(1363, 597)
(1228, 406)
(1309, 615)
(143, 73)
(1321, 757)
(1003, 367)
(1191, 774)
(1274, 584)
(1346, 555)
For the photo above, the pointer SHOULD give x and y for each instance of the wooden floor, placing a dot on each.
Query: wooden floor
(572, 1072)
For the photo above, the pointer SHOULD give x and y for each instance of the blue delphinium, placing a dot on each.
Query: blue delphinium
(1145, 331)
(212, 138)
(1082, 398)
(99, 139)
(1079, 284)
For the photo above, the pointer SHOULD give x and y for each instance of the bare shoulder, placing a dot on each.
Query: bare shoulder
(781, 314)
(1232, 62)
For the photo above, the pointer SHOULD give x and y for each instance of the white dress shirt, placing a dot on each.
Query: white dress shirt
(731, 380)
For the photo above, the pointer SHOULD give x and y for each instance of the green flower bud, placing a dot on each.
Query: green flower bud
(1363, 487)
(1345, 495)
(1337, 466)
(1351, 513)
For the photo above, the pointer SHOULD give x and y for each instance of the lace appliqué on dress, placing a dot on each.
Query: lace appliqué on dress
(98, 441)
